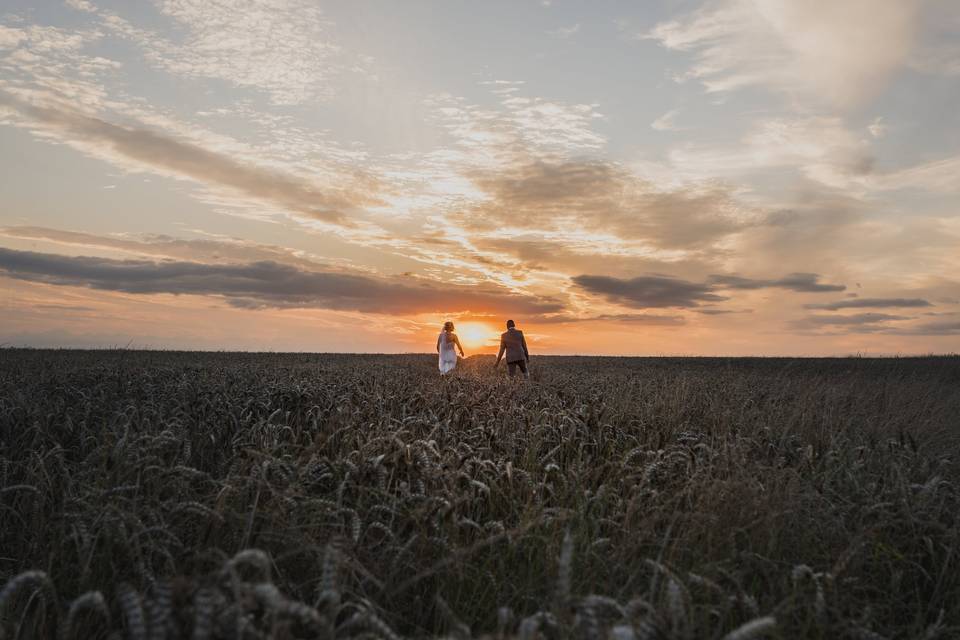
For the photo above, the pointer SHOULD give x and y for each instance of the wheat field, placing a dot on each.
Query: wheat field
(152, 495)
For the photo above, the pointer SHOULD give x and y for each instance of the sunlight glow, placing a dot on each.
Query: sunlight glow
(474, 335)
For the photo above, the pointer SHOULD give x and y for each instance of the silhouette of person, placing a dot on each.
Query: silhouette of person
(515, 346)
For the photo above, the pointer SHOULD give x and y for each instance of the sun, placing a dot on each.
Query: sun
(474, 335)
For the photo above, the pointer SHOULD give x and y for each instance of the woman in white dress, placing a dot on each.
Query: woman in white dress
(447, 343)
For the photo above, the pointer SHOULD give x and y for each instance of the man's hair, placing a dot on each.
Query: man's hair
(511, 323)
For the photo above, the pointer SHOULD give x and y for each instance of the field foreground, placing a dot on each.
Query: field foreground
(213, 495)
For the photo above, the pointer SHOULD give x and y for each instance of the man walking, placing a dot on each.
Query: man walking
(515, 346)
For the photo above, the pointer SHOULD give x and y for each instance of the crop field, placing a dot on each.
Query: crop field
(155, 495)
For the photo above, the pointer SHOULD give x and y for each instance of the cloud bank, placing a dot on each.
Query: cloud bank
(649, 291)
(268, 284)
(655, 291)
(170, 247)
(803, 282)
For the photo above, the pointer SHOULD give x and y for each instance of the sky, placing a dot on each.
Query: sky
(673, 177)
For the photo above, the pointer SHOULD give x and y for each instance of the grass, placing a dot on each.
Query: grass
(218, 495)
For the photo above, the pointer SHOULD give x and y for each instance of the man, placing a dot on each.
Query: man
(515, 346)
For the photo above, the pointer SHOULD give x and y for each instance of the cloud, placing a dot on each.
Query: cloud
(855, 319)
(564, 32)
(553, 257)
(520, 126)
(822, 148)
(932, 329)
(203, 250)
(280, 46)
(666, 291)
(283, 48)
(268, 284)
(55, 60)
(818, 226)
(722, 312)
(939, 51)
(938, 176)
(11, 38)
(803, 282)
(530, 168)
(648, 291)
(646, 319)
(81, 5)
(941, 59)
(839, 53)
(187, 160)
(875, 323)
(870, 303)
(602, 197)
(636, 319)
(878, 127)
(666, 122)
(69, 308)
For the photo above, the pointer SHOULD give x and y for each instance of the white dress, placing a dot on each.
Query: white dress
(448, 354)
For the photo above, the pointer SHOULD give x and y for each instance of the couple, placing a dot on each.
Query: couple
(511, 342)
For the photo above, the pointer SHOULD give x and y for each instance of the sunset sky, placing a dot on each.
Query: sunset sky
(733, 177)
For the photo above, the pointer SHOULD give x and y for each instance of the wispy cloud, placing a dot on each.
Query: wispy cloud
(937, 176)
(870, 303)
(877, 128)
(821, 148)
(637, 319)
(932, 329)
(721, 312)
(179, 158)
(667, 122)
(873, 323)
(855, 319)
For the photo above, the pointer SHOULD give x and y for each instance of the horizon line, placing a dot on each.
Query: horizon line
(857, 355)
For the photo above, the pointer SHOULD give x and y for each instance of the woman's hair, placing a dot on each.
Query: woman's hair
(448, 326)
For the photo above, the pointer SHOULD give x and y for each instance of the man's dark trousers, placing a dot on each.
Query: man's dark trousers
(512, 368)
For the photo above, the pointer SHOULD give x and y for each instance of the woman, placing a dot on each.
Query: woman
(447, 341)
